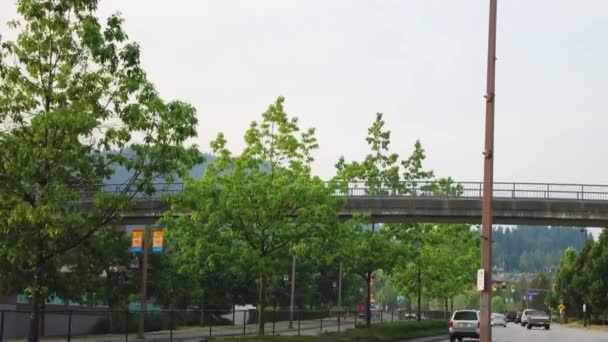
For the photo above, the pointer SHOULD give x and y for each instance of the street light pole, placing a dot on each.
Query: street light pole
(340, 288)
(293, 291)
(144, 284)
(486, 221)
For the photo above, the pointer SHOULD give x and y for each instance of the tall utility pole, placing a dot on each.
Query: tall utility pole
(488, 185)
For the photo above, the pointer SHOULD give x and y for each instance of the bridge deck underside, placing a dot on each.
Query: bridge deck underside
(442, 210)
(468, 210)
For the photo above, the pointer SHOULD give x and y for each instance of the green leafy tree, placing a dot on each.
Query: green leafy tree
(217, 263)
(498, 304)
(365, 251)
(411, 273)
(379, 175)
(598, 269)
(75, 105)
(565, 275)
(265, 200)
(541, 284)
(452, 261)
(581, 280)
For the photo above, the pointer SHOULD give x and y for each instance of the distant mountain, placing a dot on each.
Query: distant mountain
(533, 248)
(121, 174)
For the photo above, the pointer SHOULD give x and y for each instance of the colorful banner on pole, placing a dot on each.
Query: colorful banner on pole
(157, 241)
(137, 241)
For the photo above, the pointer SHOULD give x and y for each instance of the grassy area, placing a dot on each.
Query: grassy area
(385, 332)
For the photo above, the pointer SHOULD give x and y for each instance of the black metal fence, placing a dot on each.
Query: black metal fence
(169, 325)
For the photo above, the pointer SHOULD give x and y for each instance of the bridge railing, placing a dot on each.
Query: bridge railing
(429, 189)
(475, 190)
(160, 189)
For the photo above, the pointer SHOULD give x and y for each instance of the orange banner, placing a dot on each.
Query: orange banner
(137, 241)
(157, 241)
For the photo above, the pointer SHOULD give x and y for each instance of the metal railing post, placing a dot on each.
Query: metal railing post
(171, 322)
(69, 326)
(321, 328)
(274, 319)
(127, 325)
(299, 318)
(1, 325)
(582, 192)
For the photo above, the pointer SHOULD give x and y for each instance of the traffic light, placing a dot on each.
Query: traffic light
(494, 286)
(504, 285)
(513, 287)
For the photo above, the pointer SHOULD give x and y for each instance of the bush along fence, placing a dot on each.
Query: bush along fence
(180, 324)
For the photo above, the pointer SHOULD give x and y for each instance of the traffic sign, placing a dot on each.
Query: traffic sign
(481, 279)
(561, 308)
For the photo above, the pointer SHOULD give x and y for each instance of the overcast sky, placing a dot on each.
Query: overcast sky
(420, 62)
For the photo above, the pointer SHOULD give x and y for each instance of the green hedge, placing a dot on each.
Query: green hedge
(384, 332)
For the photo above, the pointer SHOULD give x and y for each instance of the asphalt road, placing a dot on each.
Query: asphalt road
(517, 333)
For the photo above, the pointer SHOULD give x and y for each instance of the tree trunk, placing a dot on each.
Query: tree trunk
(261, 303)
(418, 317)
(42, 332)
(202, 321)
(445, 315)
(35, 313)
(451, 304)
(368, 301)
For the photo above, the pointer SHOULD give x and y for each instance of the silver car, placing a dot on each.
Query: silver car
(538, 318)
(464, 323)
(498, 319)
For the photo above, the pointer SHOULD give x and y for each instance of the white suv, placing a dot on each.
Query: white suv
(464, 323)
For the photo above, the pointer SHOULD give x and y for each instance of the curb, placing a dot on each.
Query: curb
(430, 339)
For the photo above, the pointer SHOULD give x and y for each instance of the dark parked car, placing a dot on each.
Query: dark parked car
(511, 317)
(518, 318)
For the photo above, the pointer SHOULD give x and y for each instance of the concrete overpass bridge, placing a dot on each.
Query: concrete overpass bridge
(514, 203)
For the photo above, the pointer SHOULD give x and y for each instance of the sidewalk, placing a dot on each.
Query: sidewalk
(430, 339)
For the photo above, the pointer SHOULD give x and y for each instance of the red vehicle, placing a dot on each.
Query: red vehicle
(361, 308)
